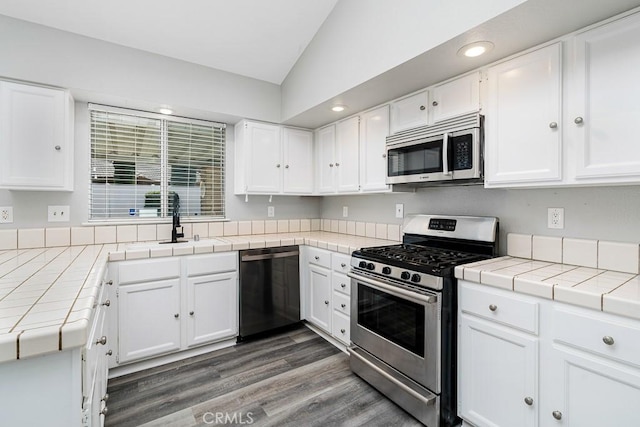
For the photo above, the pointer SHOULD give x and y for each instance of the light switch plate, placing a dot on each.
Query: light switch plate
(399, 210)
(58, 214)
(6, 214)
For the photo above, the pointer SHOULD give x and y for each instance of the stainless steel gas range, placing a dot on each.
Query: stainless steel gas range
(403, 312)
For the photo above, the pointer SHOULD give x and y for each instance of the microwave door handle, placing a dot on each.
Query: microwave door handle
(445, 155)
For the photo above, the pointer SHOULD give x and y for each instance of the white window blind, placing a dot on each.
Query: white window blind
(139, 160)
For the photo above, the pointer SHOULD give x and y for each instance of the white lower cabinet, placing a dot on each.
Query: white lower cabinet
(167, 305)
(581, 370)
(327, 289)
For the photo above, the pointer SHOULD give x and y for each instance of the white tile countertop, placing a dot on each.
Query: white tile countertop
(47, 295)
(594, 274)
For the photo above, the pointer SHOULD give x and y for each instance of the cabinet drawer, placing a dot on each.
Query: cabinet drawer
(341, 303)
(340, 263)
(511, 310)
(341, 283)
(148, 270)
(340, 328)
(198, 265)
(592, 332)
(319, 257)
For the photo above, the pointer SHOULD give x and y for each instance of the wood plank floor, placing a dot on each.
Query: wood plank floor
(294, 378)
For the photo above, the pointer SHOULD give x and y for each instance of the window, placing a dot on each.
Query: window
(140, 160)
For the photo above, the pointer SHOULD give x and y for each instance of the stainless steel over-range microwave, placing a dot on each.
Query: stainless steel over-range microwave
(447, 152)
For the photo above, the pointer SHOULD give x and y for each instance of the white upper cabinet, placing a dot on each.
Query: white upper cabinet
(374, 128)
(603, 102)
(523, 139)
(297, 145)
(347, 152)
(270, 159)
(36, 138)
(325, 147)
(409, 112)
(456, 97)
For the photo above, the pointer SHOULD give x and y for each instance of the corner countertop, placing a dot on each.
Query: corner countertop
(599, 289)
(48, 295)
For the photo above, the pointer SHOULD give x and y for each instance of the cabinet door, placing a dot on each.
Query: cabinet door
(320, 297)
(298, 161)
(588, 391)
(264, 158)
(409, 112)
(212, 308)
(374, 129)
(456, 97)
(603, 100)
(35, 138)
(347, 152)
(149, 319)
(497, 371)
(523, 121)
(325, 163)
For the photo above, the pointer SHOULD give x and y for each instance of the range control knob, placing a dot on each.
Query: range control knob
(386, 270)
(415, 278)
(362, 264)
(370, 266)
(405, 275)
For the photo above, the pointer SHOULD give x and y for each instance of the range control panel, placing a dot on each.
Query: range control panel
(443, 224)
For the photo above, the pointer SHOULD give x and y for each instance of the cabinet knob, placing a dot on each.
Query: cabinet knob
(57, 147)
(102, 340)
(607, 340)
(106, 397)
(317, 257)
(109, 353)
(343, 265)
(278, 165)
(434, 103)
(553, 125)
(107, 303)
(343, 285)
(343, 331)
(422, 108)
(104, 411)
(286, 166)
(337, 164)
(330, 165)
(528, 400)
(326, 302)
(110, 282)
(176, 315)
(557, 415)
(384, 156)
(578, 120)
(493, 307)
(191, 313)
(343, 305)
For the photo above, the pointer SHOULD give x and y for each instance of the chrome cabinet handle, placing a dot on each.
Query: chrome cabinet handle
(110, 282)
(317, 257)
(343, 285)
(607, 340)
(278, 165)
(107, 303)
(578, 120)
(326, 302)
(557, 415)
(106, 397)
(384, 156)
(343, 331)
(176, 315)
(528, 400)
(102, 340)
(109, 353)
(343, 305)
(493, 307)
(330, 165)
(434, 103)
(286, 166)
(104, 411)
(422, 108)
(343, 265)
(553, 125)
(337, 164)
(57, 147)
(191, 313)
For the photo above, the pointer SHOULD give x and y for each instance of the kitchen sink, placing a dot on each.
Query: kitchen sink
(201, 242)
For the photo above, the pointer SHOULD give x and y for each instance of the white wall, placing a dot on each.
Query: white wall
(607, 213)
(364, 38)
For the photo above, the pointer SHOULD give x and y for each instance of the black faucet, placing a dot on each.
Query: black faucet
(176, 220)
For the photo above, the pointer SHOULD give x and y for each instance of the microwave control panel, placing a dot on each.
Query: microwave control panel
(462, 153)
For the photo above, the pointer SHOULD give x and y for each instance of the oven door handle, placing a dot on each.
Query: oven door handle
(394, 290)
(426, 400)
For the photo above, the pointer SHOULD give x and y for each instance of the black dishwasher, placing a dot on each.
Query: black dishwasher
(269, 289)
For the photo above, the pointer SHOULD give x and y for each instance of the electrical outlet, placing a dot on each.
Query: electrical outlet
(345, 211)
(58, 214)
(555, 218)
(271, 211)
(399, 210)
(6, 214)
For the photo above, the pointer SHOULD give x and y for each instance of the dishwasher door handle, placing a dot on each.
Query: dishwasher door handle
(260, 257)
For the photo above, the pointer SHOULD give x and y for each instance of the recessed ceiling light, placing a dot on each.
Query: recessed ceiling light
(474, 49)
(338, 108)
(165, 111)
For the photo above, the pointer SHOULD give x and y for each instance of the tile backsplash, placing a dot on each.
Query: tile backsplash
(103, 234)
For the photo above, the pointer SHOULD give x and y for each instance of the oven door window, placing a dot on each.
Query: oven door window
(415, 159)
(398, 320)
